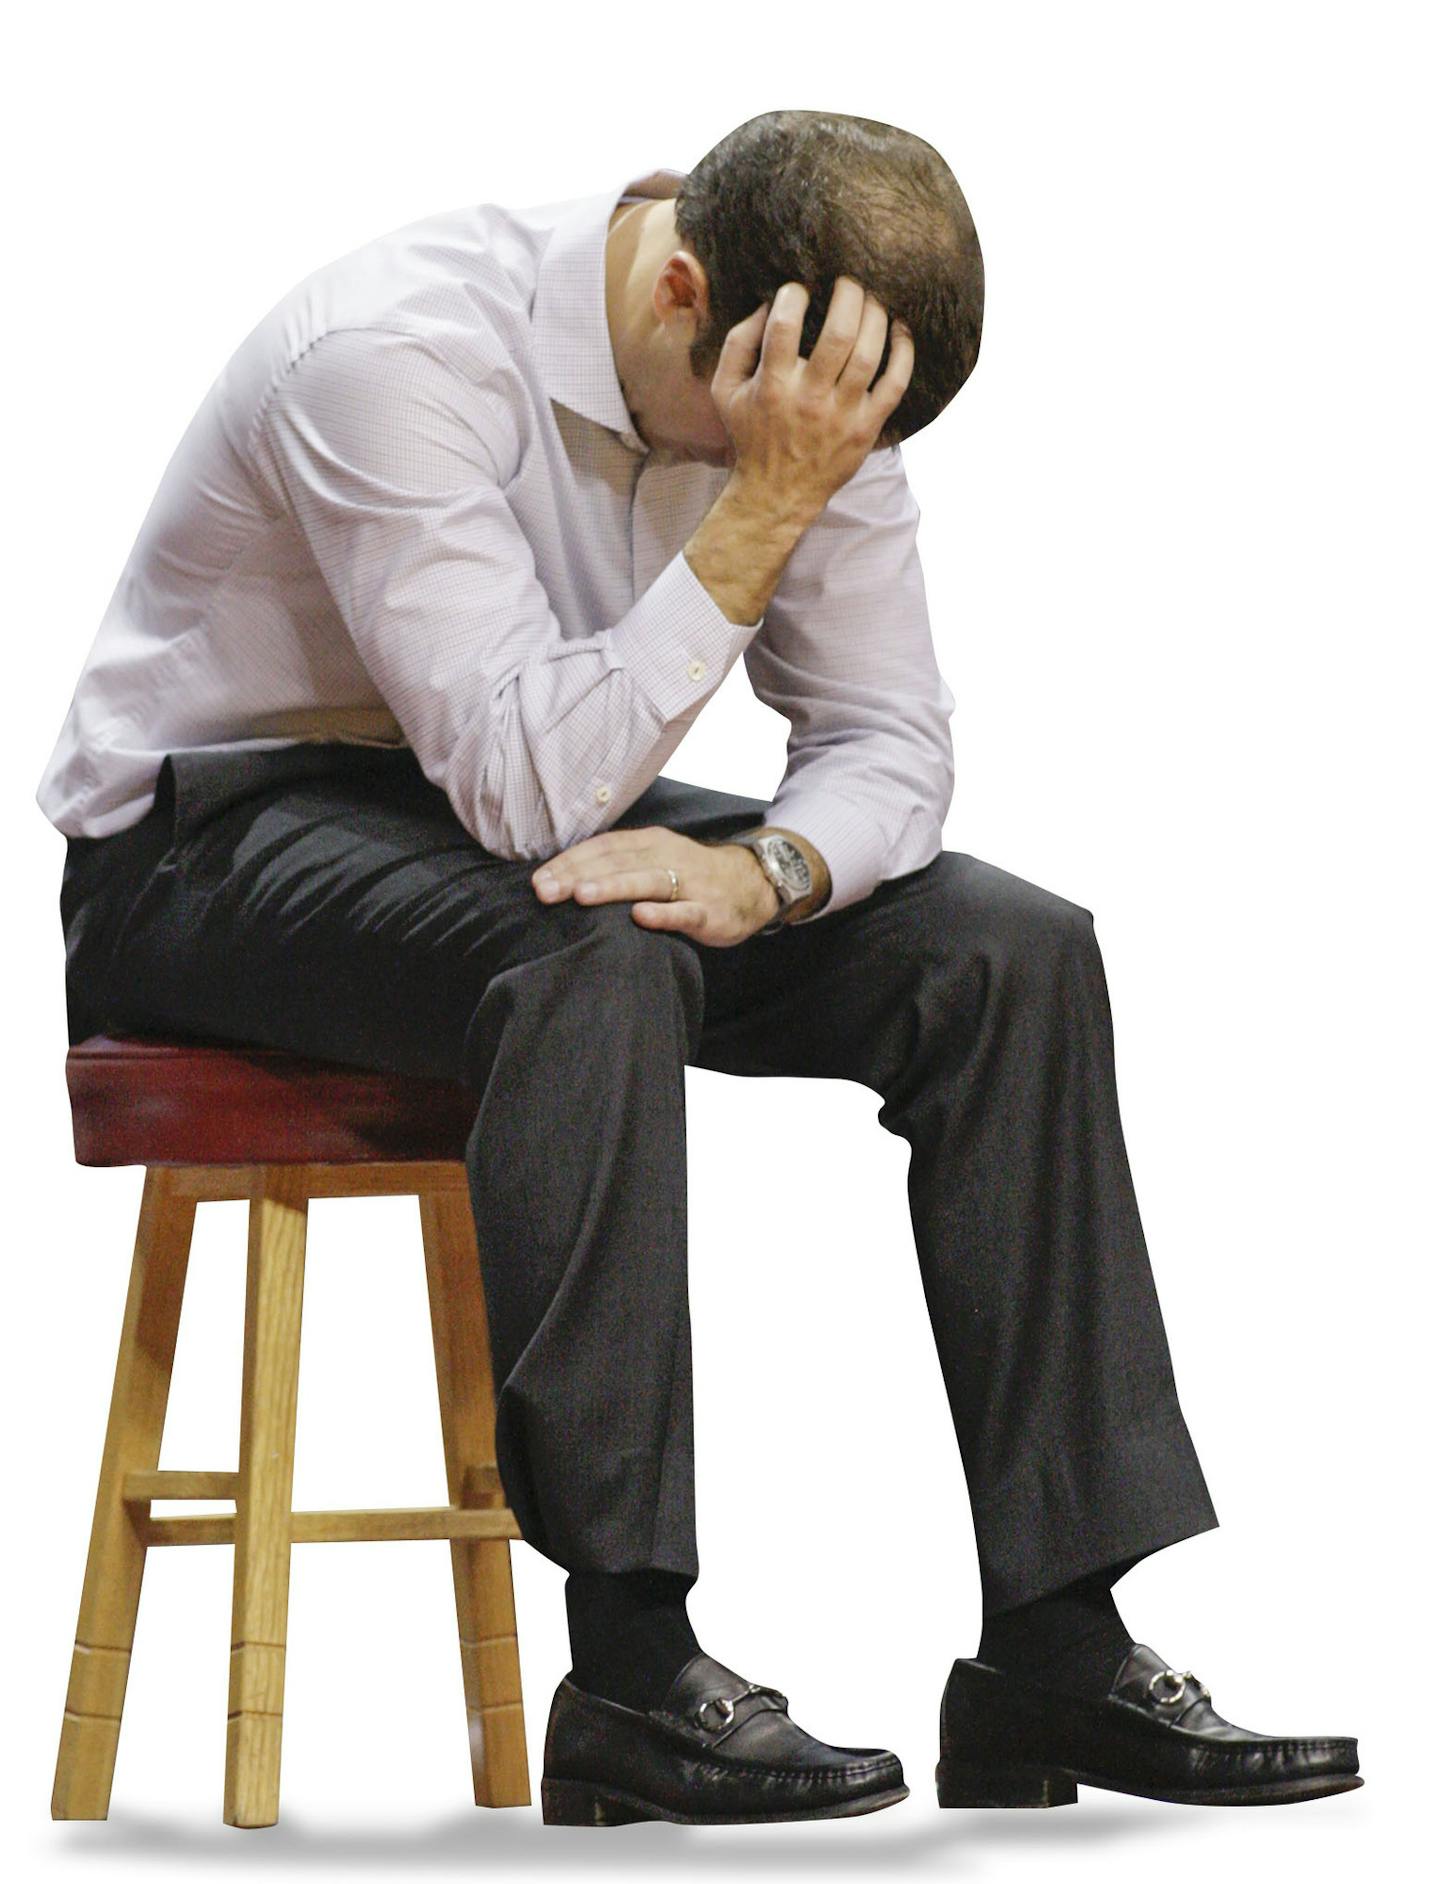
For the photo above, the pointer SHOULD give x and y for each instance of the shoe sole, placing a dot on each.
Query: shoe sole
(579, 1802)
(1040, 1786)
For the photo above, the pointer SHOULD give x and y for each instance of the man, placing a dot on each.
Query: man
(366, 763)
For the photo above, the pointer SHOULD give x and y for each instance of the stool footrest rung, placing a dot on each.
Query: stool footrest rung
(398, 1524)
(218, 1183)
(140, 1486)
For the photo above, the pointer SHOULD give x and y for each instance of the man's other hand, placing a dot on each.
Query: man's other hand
(723, 898)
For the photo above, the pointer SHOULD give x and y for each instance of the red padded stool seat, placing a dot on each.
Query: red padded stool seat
(150, 1101)
(212, 1122)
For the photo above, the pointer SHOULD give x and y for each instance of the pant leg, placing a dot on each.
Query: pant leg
(330, 903)
(975, 1004)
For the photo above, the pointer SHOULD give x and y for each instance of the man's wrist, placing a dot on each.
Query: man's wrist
(766, 508)
(767, 897)
(819, 875)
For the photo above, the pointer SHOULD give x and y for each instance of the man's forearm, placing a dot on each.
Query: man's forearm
(739, 553)
(740, 549)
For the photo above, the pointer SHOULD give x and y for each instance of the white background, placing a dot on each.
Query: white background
(1173, 541)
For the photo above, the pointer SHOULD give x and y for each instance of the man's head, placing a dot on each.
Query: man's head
(791, 196)
(809, 195)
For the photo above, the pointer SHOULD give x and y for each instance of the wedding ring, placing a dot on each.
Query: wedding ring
(674, 883)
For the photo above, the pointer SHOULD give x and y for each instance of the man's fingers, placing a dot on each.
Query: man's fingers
(889, 389)
(683, 914)
(780, 348)
(647, 880)
(740, 352)
(627, 847)
(837, 337)
(612, 867)
(865, 355)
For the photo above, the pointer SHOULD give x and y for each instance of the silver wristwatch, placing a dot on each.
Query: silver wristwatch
(784, 863)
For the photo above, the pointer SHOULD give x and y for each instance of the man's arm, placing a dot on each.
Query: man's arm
(804, 430)
(846, 654)
(394, 465)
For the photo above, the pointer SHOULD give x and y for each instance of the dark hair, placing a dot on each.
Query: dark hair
(809, 195)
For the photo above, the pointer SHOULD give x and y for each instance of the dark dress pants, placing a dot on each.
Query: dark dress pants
(325, 899)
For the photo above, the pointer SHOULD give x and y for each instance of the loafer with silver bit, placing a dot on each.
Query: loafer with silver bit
(1008, 1742)
(718, 1750)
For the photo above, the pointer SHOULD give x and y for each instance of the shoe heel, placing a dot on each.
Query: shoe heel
(577, 1802)
(960, 1785)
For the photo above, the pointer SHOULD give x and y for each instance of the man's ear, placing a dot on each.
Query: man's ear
(682, 292)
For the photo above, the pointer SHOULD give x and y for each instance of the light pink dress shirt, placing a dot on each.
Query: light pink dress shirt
(412, 509)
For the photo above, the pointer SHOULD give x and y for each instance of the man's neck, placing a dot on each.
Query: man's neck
(640, 236)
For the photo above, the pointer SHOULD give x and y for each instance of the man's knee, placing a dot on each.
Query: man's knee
(625, 959)
(1011, 921)
(597, 961)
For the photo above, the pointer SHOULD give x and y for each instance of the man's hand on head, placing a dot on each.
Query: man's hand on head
(723, 897)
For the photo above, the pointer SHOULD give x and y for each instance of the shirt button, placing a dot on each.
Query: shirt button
(696, 670)
(602, 794)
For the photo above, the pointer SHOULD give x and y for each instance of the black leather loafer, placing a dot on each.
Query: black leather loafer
(719, 1750)
(1007, 1742)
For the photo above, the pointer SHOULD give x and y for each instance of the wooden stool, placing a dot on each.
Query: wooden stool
(212, 1122)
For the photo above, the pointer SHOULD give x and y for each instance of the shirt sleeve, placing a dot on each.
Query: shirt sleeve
(394, 462)
(846, 655)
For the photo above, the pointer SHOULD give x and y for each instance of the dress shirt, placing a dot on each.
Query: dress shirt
(413, 510)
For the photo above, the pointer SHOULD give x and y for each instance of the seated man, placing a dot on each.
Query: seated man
(366, 763)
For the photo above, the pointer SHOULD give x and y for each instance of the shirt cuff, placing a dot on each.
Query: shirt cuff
(847, 837)
(677, 643)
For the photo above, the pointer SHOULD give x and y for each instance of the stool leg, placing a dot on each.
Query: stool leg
(484, 1592)
(116, 1563)
(274, 1286)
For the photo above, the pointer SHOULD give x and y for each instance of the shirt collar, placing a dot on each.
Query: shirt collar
(571, 333)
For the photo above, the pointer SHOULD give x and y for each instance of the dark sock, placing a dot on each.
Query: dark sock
(629, 1633)
(1072, 1638)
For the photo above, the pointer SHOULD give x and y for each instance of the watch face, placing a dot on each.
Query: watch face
(789, 860)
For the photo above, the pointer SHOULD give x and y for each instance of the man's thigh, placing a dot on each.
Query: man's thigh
(340, 910)
(847, 995)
